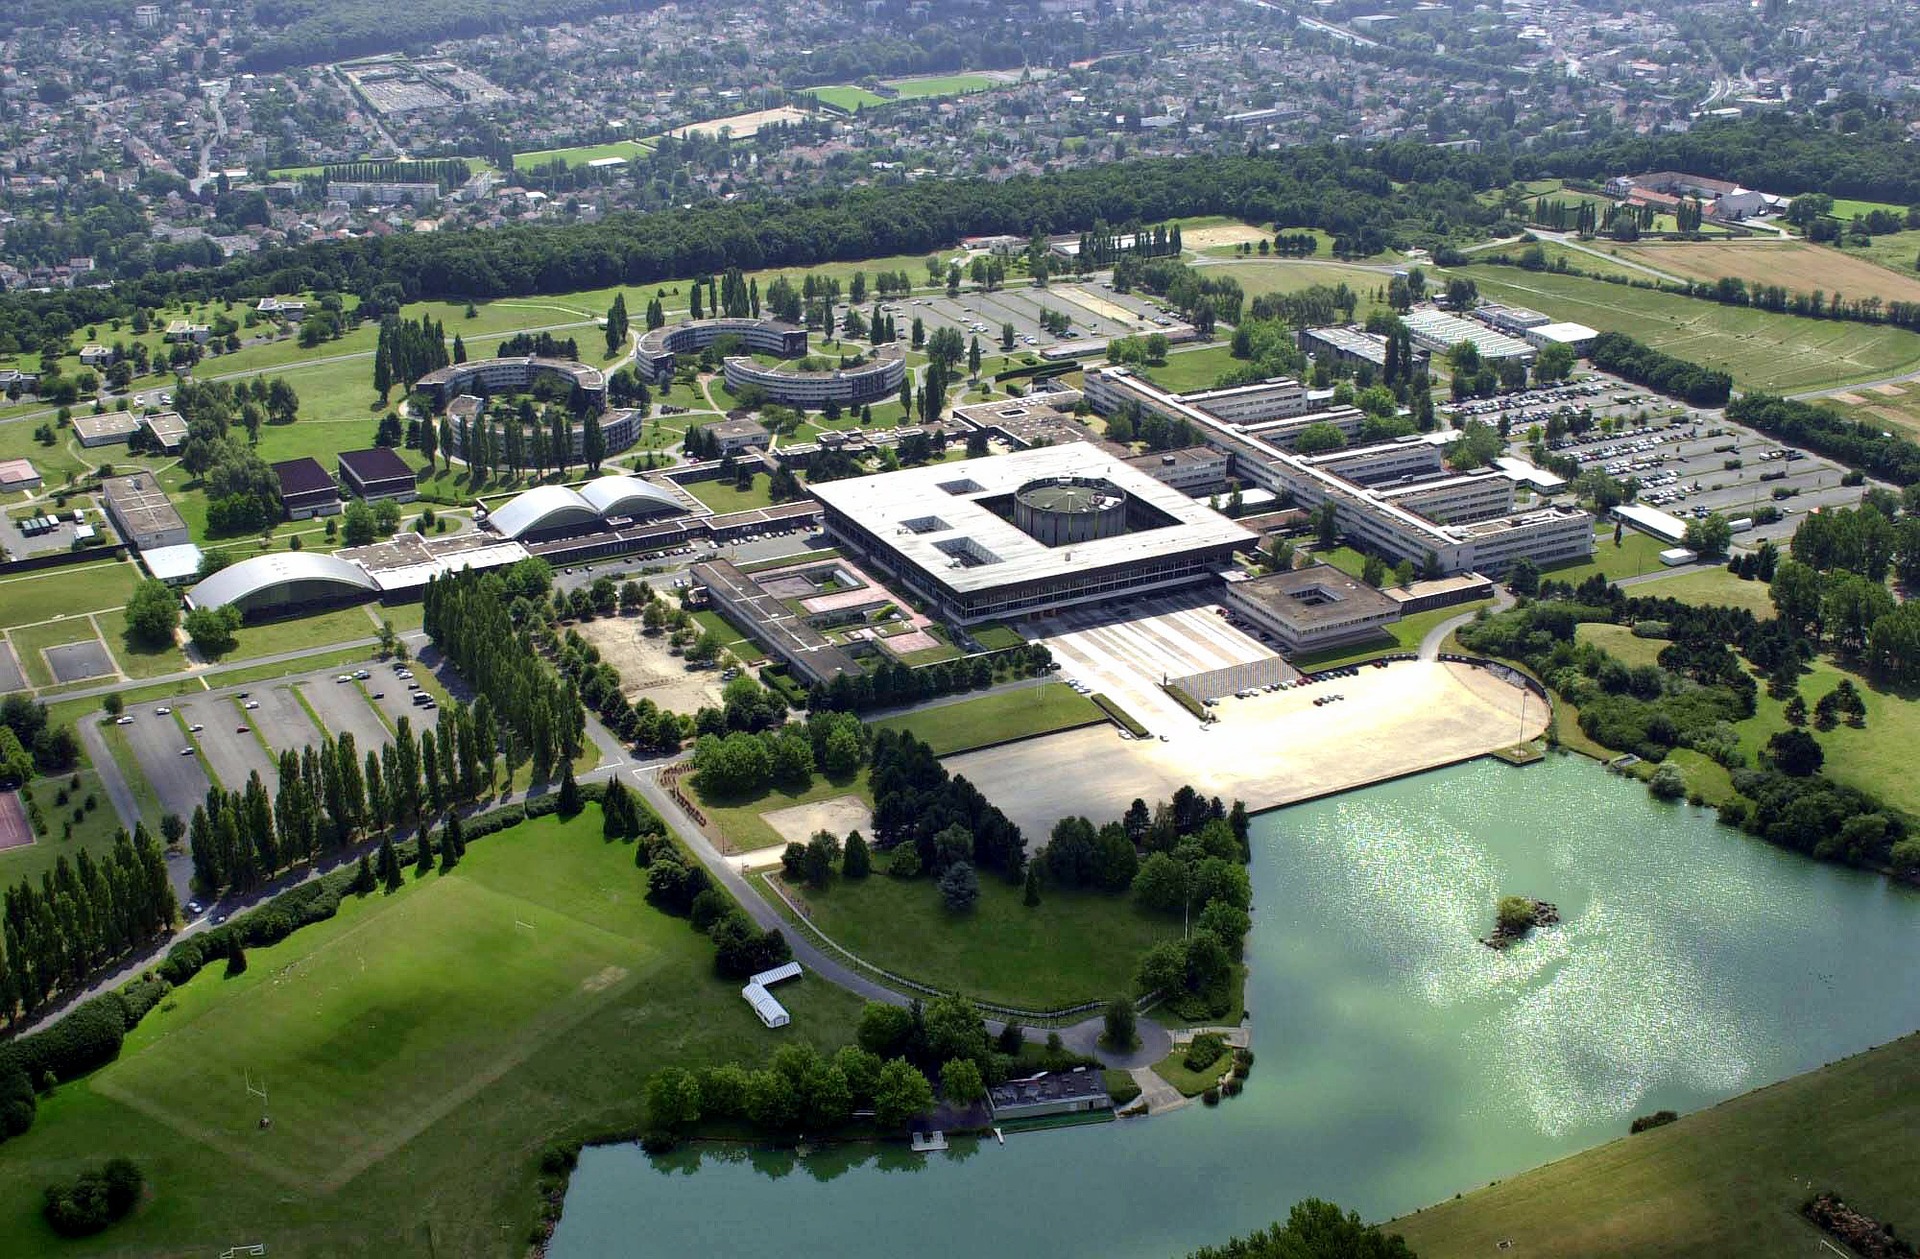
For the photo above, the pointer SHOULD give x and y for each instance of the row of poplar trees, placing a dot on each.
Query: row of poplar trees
(83, 914)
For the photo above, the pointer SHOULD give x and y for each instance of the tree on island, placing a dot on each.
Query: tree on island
(1515, 915)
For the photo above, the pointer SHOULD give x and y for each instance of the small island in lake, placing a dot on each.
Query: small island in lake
(1515, 916)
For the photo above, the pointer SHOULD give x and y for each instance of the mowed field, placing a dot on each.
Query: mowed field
(1289, 276)
(1796, 265)
(1725, 1181)
(417, 1052)
(1888, 406)
(1762, 350)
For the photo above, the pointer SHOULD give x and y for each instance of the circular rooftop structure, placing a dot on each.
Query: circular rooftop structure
(1060, 511)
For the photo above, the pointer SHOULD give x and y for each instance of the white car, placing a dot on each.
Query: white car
(163, 712)
(251, 704)
(123, 721)
(195, 729)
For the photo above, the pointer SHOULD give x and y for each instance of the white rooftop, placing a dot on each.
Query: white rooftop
(172, 563)
(931, 515)
(1565, 333)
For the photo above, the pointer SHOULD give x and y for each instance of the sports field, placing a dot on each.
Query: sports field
(581, 155)
(1762, 350)
(1793, 264)
(1725, 1181)
(940, 85)
(417, 1051)
(848, 98)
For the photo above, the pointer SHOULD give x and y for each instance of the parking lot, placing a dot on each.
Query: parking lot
(11, 678)
(1094, 313)
(345, 709)
(1127, 650)
(228, 741)
(179, 782)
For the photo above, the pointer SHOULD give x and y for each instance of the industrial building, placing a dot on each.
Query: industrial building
(109, 428)
(378, 473)
(1313, 608)
(282, 582)
(789, 636)
(141, 513)
(1382, 493)
(1031, 532)
(1353, 348)
(1438, 332)
(306, 490)
(512, 375)
(1576, 336)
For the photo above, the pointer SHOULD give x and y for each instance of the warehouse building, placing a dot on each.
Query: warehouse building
(1031, 532)
(142, 515)
(1353, 348)
(306, 490)
(378, 473)
(1439, 332)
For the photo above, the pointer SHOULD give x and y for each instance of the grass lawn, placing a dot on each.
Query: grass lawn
(36, 597)
(436, 1037)
(1637, 553)
(731, 638)
(997, 718)
(1575, 259)
(1846, 208)
(1876, 758)
(137, 660)
(1762, 350)
(1898, 251)
(1072, 947)
(723, 497)
(940, 85)
(1290, 276)
(1173, 1069)
(93, 832)
(129, 765)
(1189, 370)
(300, 633)
(1711, 586)
(1619, 642)
(996, 636)
(581, 155)
(1403, 635)
(739, 820)
(28, 643)
(1886, 407)
(1728, 1180)
(847, 97)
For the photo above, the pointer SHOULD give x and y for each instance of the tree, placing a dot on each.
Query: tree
(1161, 884)
(570, 803)
(1709, 536)
(961, 1083)
(1122, 1031)
(960, 887)
(214, 631)
(673, 1099)
(1314, 1230)
(153, 612)
(900, 1094)
(885, 1030)
(1796, 753)
(857, 860)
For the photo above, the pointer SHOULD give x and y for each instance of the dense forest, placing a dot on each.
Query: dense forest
(310, 31)
(1392, 196)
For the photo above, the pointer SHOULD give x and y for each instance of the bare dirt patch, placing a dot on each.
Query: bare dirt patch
(648, 668)
(1221, 234)
(743, 126)
(1795, 265)
(841, 814)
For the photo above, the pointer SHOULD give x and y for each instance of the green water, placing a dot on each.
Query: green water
(1398, 1061)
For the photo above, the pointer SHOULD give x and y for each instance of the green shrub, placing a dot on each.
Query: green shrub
(94, 1199)
(1657, 1119)
(1206, 1049)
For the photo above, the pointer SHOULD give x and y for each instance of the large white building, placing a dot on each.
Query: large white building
(1029, 532)
(1395, 499)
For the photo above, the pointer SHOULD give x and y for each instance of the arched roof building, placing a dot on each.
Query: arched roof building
(293, 579)
(553, 510)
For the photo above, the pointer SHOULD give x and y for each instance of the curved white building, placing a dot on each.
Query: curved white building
(283, 581)
(553, 510)
(872, 381)
(491, 375)
(655, 357)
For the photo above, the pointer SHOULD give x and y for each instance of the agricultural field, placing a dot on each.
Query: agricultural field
(1076, 947)
(1723, 1181)
(1897, 251)
(1796, 265)
(1888, 406)
(1761, 349)
(1557, 253)
(1846, 209)
(417, 1052)
(997, 718)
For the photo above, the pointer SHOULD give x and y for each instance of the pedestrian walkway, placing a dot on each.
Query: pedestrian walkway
(1156, 1095)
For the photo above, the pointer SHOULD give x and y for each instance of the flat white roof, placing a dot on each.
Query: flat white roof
(1652, 520)
(1521, 470)
(923, 512)
(1568, 333)
(172, 563)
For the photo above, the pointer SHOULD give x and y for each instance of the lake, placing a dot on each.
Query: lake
(1398, 1061)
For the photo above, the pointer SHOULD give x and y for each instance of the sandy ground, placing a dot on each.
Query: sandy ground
(1225, 234)
(1081, 296)
(648, 669)
(744, 125)
(841, 814)
(1273, 749)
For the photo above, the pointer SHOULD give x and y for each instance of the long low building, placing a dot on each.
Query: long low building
(658, 352)
(619, 429)
(808, 654)
(512, 375)
(1487, 544)
(284, 582)
(1438, 332)
(877, 378)
(1050, 1093)
(1031, 532)
(141, 512)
